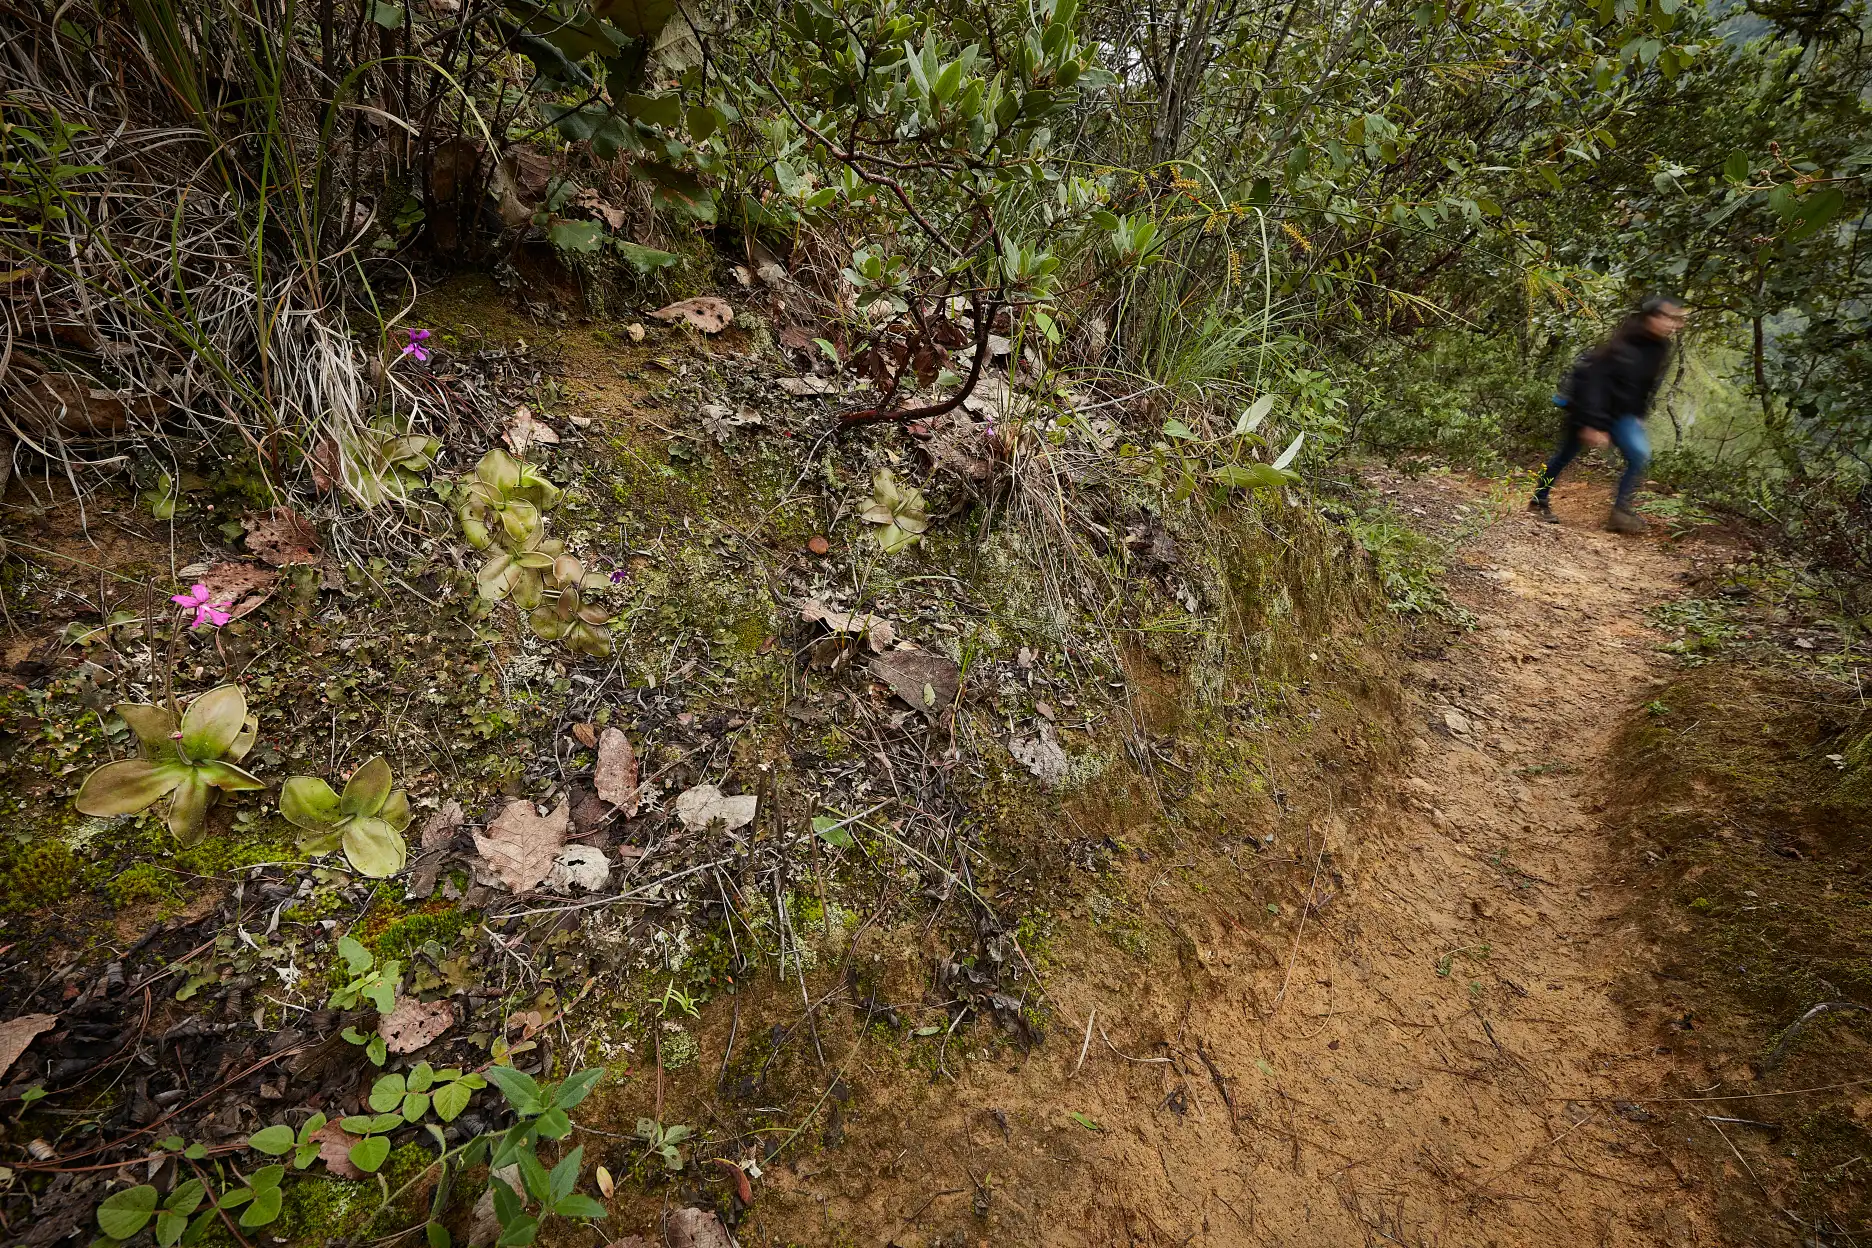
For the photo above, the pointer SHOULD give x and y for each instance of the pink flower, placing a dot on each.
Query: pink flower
(414, 347)
(206, 612)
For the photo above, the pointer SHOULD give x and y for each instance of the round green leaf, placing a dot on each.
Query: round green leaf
(415, 1105)
(125, 787)
(212, 721)
(368, 1154)
(170, 1227)
(498, 469)
(420, 1078)
(222, 774)
(265, 1205)
(386, 1093)
(396, 810)
(450, 1100)
(186, 1198)
(368, 788)
(309, 803)
(374, 847)
(273, 1141)
(123, 1214)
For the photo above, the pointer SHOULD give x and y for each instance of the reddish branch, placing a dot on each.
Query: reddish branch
(984, 322)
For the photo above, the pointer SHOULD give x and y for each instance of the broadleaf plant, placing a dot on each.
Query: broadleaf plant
(898, 509)
(185, 764)
(568, 617)
(367, 819)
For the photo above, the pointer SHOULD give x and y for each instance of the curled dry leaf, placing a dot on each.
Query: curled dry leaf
(808, 386)
(615, 777)
(443, 825)
(926, 681)
(520, 844)
(243, 586)
(335, 1151)
(707, 313)
(586, 734)
(696, 1228)
(701, 806)
(875, 629)
(579, 868)
(414, 1025)
(1043, 755)
(282, 537)
(17, 1033)
(744, 1190)
(524, 430)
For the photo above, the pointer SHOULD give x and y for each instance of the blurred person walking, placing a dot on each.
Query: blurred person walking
(1606, 396)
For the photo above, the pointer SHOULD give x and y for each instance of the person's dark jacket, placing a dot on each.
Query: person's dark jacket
(1622, 379)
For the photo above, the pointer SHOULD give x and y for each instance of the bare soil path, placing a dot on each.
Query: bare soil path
(1431, 1055)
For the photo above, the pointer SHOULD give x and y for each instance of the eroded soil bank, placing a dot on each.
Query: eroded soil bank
(1426, 1048)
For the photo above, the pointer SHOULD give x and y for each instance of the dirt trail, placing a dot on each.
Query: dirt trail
(1431, 1060)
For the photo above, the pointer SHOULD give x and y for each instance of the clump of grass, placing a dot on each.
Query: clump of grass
(1410, 566)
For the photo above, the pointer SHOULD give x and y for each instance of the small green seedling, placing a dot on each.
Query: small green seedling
(663, 1140)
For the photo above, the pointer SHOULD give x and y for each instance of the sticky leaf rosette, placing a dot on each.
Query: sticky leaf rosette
(184, 764)
(367, 819)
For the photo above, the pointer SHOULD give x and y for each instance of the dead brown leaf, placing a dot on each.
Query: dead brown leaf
(615, 777)
(586, 734)
(414, 1025)
(707, 313)
(442, 826)
(875, 629)
(520, 844)
(242, 586)
(736, 1175)
(926, 681)
(282, 537)
(324, 465)
(696, 1228)
(524, 429)
(335, 1151)
(17, 1033)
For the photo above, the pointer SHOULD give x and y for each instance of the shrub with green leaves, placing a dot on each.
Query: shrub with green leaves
(367, 819)
(185, 764)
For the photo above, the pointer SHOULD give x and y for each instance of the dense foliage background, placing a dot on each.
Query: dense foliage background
(1399, 219)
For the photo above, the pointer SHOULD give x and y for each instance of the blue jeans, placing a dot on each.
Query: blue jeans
(1628, 434)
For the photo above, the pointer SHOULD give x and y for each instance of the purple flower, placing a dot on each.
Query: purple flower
(619, 576)
(206, 612)
(414, 347)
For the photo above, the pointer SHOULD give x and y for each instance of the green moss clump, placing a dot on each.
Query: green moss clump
(144, 882)
(39, 874)
(439, 922)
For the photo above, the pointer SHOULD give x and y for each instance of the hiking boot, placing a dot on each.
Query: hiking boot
(1543, 510)
(1625, 520)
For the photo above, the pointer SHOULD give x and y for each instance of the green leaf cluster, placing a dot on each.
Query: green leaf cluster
(186, 764)
(367, 819)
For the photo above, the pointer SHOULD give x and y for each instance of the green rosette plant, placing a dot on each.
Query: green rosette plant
(503, 507)
(899, 510)
(568, 617)
(367, 819)
(185, 763)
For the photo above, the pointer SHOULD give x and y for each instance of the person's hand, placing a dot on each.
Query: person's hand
(1597, 438)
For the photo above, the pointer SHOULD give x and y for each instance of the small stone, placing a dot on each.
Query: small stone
(1456, 722)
